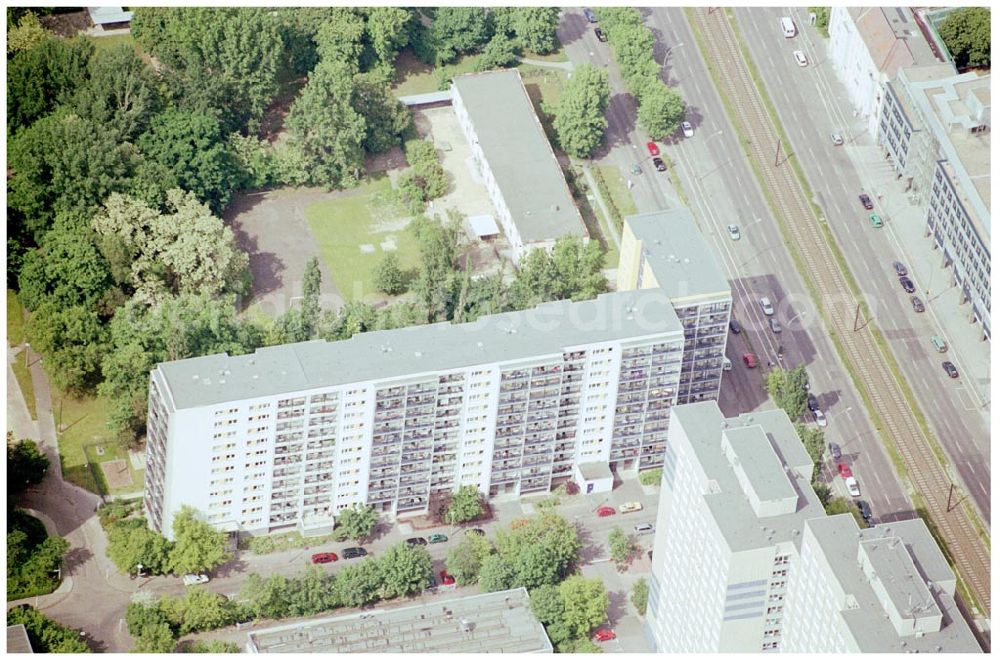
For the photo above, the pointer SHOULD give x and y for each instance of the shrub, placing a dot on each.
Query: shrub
(651, 477)
(640, 595)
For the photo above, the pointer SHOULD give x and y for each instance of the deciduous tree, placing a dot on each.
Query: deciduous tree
(585, 603)
(45, 634)
(121, 93)
(26, 464)
(459, 30)
(466, 505)
(357, 521)
(28, 33)
(579, 118)
(131, 543)
(389, 275)
(496, 574)
(640, 595)
(198, 547)
(265, 597)
(499, 53)
(534, 28)
(386, 119)
(387, 30)
(42, 77)
(466, 560)
(966, 33)
(661, 110)
(788, 389)
(406, 570)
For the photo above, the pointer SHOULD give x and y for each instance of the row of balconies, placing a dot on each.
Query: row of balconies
(293, 413)
(513, 397)
(278, 519)
(288, 460)
(289, 424)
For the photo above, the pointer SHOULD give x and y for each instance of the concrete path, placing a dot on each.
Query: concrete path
(19, 418)
(565, 66)
(596, 192)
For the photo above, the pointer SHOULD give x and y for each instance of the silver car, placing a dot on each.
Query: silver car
(765, 305)
(836, 139)
(734, 232)
(688, 129)
(775, 326)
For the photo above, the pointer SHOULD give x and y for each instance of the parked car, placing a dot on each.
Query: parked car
(844, 470)
(416, 541)
(866, 202)
(653, 149)
(900, 268)
(635, 169)
(750, 360)
(876, 220)
(765, 305)
(939, 344)
(852, 486)
(812, 402)
(604, 635)
(437, 538)
(820, 418)
(734, 232)
(659, 164)
(865, 509)
(589, 14)
(600, 34)
(323, 558)
(800, 58)
(606, 510)
(836, 139)
(907, 285)
(918, 305)
(834, 451)
(644, 529)
(950, 368)
(446, 578)
(476, 531)
(432, 586)
(735, 326)
(687, 129)
(775, 325)
(354, 552)
(631, 506)
(194, 579)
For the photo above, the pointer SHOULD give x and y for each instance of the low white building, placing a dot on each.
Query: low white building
(515, 160)
(868, 46)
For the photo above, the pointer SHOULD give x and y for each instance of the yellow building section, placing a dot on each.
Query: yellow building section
(629, 262)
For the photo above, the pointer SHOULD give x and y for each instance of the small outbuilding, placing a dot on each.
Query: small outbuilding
(110, 18)
(482, 227)
(593, 477)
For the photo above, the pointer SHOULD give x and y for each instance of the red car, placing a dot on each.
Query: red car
(605, 511)
(750, 360)
(323, 558)
(844, 470)
(653, 149)
(604, 635)
(446, 578)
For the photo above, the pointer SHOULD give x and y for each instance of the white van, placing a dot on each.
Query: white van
(787, 27)
(727, 365)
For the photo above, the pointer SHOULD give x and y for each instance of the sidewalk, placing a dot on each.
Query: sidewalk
(565, 66)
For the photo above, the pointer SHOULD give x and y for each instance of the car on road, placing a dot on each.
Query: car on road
(900, 268)
(750, 360)
(590, 15)
(653, 149)
(323, 558)
(836, 139)
(765, 305)
(605, 510)
(600, 34)
(687, 129)
(834, 451)
(875, 220)
(734, 232)
(604, 635)
(820, 418)
(354, 552)
(800, 58)
(775, 325)
(852, 486)
(437, 538)
(866, 202)
(416, 541)
(635, 169)
(844, 470)
(812, 402)
(918, 305)
(194, 579)
(644, 529)
(907, 285)
(939, 344)
(631, 506)
(865, 509)
(735, 326)
(659, 164)
(950, 368)
(476, 531)
(446, 578)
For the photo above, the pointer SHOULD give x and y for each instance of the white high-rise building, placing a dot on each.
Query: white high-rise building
(745, 558)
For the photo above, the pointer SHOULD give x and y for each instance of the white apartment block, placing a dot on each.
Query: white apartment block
(745, 558)
(868, 45)
(935, 130)
(515, 160)
(513, 403)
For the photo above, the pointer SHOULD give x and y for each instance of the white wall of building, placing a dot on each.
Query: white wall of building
(853, 63)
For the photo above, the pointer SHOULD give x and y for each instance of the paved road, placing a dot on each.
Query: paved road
(838, 175)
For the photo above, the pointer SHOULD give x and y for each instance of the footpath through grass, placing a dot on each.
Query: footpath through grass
(16, 336)
(350, 232)
(85, 422)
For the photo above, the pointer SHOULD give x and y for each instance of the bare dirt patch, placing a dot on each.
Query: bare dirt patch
(116, 474)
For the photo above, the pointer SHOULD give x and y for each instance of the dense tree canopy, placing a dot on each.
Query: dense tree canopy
(32, 557)
(466, 505)
(26, 34)
(788, 389)
(121, 93)
(499, 53)
(45, 634)
(26, 464)
(198, 547)
(459, 30)
(131, 543)
(533, 28)
(42, 77)
(579, 118)
(386, 119)
(661, 110)
(966, 33)
(358, 521)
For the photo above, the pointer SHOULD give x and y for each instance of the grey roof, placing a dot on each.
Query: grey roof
(595, 470)
(704, 424)
(108, 15)
(519, 155)
(546, 330)
(492, 622)
(17, 640)
(428, 98)
(683, 261)
(759, 463)
(905, 568)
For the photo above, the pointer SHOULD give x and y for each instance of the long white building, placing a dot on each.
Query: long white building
(745, 558)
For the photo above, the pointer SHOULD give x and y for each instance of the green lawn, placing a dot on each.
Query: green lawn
(15, 336)
(618, 189)
(543, 84)
(416, 77)
(343, 225)
(558, 55)
(84, 421)
(106, 43)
